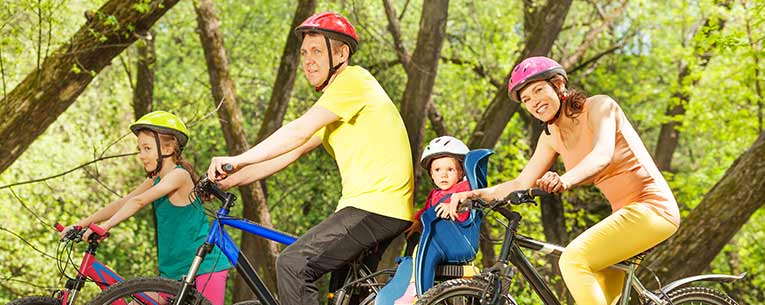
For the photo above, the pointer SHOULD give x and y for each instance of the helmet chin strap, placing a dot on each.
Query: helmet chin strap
(160, 156)
(332, 68)
(561, 98)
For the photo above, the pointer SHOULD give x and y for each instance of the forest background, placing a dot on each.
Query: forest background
(74, 74)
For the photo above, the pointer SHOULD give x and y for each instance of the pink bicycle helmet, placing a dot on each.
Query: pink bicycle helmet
(532, 69)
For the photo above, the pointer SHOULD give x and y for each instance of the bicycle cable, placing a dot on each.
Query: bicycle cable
(658, 282)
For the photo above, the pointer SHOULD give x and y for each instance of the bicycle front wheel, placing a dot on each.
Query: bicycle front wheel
(460, 292)
(36, 300)
(147, 291)
(700, 296)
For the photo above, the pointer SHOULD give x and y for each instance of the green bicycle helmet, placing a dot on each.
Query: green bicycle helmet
(162, 122)
(165, 123)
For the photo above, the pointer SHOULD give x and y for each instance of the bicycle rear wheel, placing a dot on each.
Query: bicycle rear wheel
(700, 296)
(147, 291)
(35, 300)
(460, 292)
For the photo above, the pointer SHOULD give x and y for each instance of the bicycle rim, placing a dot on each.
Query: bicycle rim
(147, 291)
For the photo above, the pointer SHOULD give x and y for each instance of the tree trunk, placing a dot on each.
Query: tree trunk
(143, 95)
(48, 91)
(273, 119)
(424, 66)
(542, 26)
(717, 218)
(669, 136)
(421, 71)
(285, 79)
(230, 116)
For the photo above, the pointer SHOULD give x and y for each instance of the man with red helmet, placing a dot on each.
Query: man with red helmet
(363, 131)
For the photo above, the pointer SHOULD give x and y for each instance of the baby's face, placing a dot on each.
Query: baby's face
(446, 172)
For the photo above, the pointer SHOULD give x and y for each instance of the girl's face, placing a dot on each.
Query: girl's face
(147, 151)
(540, 100)
(446, 172)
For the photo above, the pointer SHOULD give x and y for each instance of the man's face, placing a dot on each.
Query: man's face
(313, 52)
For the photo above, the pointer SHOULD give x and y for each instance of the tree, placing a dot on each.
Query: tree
(277, 107)
(143, 92)
(541, 27)
(719, 215)
(51, 88)
(669, 136)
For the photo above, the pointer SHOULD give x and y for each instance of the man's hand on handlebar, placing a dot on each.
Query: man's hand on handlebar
(220, 167)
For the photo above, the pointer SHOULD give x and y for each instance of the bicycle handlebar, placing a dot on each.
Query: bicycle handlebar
(76, 232)
(516, 198)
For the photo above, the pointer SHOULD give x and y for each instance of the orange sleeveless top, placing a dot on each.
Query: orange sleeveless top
(630, 177)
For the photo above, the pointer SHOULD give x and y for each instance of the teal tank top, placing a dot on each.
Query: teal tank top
(180, 231)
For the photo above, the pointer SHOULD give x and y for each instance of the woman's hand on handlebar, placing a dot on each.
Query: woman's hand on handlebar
(551, 182)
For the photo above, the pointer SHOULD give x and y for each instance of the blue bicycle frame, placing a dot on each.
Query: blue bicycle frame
(217, 236)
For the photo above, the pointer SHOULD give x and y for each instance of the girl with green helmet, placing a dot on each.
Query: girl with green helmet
(181, 223)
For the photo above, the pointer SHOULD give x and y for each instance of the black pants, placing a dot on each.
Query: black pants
(330, 246)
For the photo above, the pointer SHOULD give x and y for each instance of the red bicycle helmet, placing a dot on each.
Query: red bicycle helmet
(332, 25)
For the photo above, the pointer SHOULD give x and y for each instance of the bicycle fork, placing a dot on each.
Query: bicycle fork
(188, 280)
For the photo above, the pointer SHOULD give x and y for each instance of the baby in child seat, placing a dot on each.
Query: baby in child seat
(442, 240)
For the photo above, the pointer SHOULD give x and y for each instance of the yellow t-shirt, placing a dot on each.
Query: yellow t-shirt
(369, 144)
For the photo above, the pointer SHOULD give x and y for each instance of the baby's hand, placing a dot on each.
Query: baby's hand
(449, 210)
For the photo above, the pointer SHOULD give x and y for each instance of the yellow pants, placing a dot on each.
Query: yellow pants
(625, 233)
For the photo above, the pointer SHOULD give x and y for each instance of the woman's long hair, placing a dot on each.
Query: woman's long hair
(573, 100)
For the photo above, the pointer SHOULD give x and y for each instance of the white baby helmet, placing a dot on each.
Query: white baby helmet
(443, 146)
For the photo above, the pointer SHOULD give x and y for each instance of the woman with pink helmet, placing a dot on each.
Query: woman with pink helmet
(598, 145)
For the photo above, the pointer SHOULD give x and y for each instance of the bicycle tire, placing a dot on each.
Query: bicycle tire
(35, 300)
(126, 290)
(248, 302)
(700, 295)
(458, 292)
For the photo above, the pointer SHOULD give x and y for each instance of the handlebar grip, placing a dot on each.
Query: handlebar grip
(536, 192)
(98, 230)
(228, 168)
(59, 227)
(465, 206)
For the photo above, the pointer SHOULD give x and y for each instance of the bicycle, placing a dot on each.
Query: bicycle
(492, 285)
(90, 269)
(360, 279)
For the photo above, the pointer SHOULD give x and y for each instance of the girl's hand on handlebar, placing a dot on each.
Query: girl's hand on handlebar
(66, 231)
(551, 182)
(86, 235)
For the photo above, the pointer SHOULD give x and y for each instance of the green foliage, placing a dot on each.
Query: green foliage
(723, 115)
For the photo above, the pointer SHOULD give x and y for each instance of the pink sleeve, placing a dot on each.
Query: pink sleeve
(425, 207)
